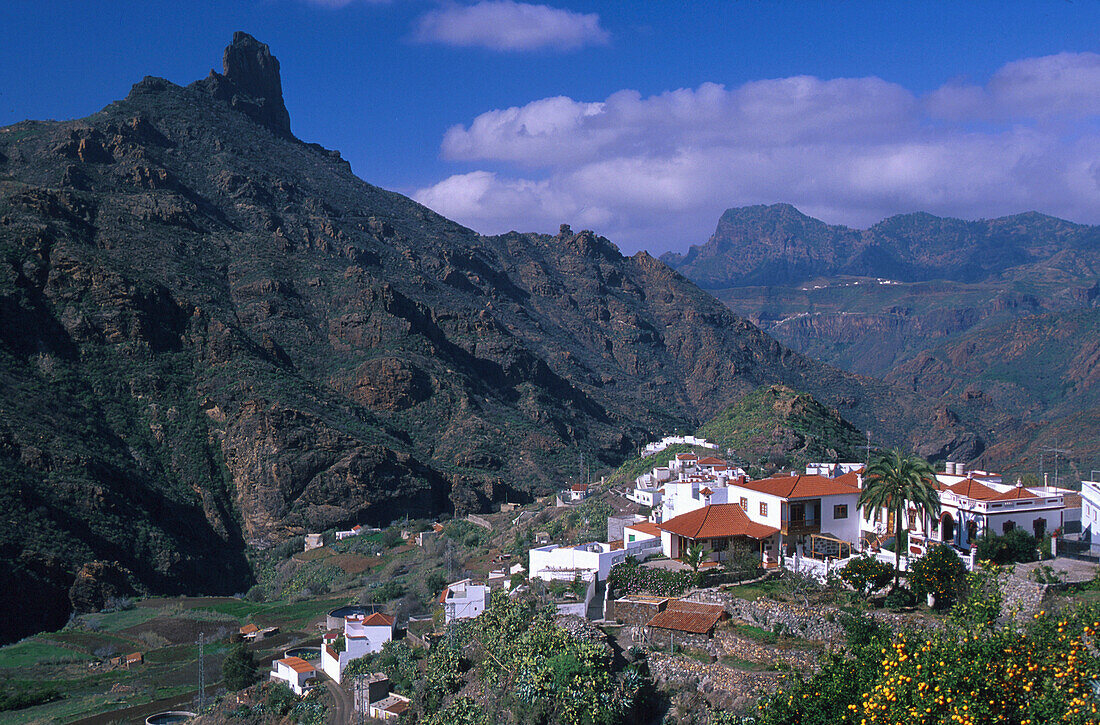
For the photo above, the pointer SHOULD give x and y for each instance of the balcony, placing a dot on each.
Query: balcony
(800, 526)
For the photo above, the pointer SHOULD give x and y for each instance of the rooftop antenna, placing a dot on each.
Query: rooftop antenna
(868, 448)
(1055, 451)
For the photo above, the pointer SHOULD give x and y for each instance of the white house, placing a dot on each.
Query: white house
(354, 531)
(576, 492)
(806, 509)
(973, 505)
(464, 600)
(362, 635)
(567, 562)
(832, 470)
(718, 528)
(641, 535)
(389, 707)
(657, 447)
(295, 672)
(1090, 514)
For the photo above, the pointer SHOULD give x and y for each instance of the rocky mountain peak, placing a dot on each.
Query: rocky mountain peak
(251, 66)
(251, 83)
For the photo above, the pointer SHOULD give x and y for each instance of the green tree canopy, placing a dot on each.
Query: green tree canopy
(239, 668)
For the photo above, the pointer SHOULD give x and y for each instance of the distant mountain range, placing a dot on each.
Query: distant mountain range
(215, 336)
(780, 246)
(999, 319)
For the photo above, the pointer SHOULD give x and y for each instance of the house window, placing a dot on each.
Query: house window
(763, 509)
(840, 511)
(1009, 526)
(744, 504)
(719, 544)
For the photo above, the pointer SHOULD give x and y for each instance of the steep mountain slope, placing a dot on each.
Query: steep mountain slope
(215, 335)
(1037, 379)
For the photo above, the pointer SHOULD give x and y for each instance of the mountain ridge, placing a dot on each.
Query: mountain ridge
(779, 245)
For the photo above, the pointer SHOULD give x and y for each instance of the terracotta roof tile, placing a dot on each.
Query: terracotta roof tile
(1071, 500)
(298, 664)
(711, 461)
(970, 488)
(645, 527)
(249, 629)
(1016, 492)
(706, 491)
(580, 487)
(694, 617)
(378, 620)
(801, 486)
(686, 457)
(716, 521)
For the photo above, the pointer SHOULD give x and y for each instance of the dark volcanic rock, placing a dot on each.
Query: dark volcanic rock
(99, 584)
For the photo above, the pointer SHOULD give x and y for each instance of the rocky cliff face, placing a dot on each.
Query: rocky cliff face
(214, 335)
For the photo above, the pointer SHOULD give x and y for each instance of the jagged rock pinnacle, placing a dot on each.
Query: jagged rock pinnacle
(253, 73)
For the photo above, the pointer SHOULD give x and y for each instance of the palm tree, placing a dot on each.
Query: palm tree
(695, 556)
(894, 481)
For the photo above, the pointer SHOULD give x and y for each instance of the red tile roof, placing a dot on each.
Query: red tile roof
(970, 488)
(686, 457)
(298, 664)
(801, 486)
(646, 527)
(851, 478)
(1071, 500)
(706, 491)
(711, 461)
(580, 487)
(378, 620)
(249, 629)
(716, 521)
(1016, 492)
(693, 617)
(398, 707)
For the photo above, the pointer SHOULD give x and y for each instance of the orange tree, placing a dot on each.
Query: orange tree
(939, 572)
(1042, 674)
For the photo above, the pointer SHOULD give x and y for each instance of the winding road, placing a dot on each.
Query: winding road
(343, 709)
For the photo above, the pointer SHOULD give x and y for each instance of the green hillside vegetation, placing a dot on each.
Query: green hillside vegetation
(778, 426)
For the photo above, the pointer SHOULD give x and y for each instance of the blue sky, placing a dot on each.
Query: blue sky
(640, 120)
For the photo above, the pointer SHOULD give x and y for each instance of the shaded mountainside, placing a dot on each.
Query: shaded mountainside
(780, 426)
(779, 246)
(1037, 379)
(215, 334)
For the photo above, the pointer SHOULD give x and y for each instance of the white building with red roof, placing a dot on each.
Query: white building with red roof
(802, 507)
(463, 600)
(718, 528)
(298, 674)
(363, 634)
(976, 503)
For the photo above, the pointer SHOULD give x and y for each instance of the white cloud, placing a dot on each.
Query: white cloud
(656, 172)
(510, 26)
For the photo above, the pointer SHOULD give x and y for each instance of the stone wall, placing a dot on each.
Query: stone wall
(633, 613)
(662, 638)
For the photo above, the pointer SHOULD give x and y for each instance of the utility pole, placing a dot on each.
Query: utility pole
(202, 674)
(868, 448)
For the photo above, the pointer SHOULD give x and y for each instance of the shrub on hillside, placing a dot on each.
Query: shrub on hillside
(939, 572)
